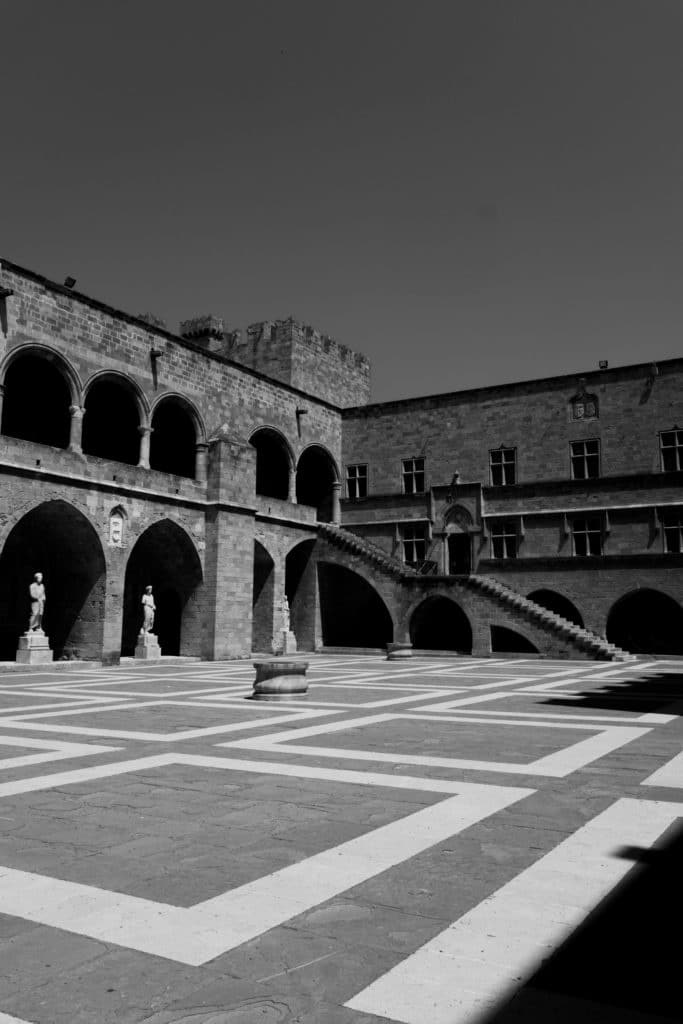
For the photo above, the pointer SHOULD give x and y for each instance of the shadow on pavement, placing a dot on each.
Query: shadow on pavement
(623, 965)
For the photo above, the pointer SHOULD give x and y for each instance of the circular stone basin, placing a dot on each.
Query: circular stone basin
(280, 680)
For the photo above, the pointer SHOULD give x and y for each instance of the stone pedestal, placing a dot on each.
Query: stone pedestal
(287, 644)
(34, 648)
(280, 680)
(147, 647)
(396, 652)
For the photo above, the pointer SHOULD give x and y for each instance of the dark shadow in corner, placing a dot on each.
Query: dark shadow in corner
(651, 692)
(623, 964)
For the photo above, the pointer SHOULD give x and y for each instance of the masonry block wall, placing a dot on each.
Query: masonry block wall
(297, 354)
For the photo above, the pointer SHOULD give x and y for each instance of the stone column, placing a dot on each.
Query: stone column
(201, 454)
(2, 395)
(145, 434)
(76, 428)
(336, 503)
(292, 485)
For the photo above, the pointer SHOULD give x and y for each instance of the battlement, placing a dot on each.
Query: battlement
(298, 354)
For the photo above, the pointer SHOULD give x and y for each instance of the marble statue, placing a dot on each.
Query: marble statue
(285, 614)
(37, 592)
(148, 610)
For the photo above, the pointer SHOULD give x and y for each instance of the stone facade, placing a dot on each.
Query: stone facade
(203, 463)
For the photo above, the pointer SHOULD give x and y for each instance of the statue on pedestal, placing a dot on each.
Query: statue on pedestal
(37, 592)
(148, 610)
(285, 614)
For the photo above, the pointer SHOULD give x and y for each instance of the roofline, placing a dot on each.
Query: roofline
(152, 329)
(593, 378)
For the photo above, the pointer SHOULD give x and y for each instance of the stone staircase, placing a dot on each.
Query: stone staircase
(348, 541)
(583, 640)
(591, 643)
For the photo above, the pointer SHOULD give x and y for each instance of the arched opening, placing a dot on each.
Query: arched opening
(165, 558)
(263, 601)
(646, 622)
(558, 604)
(37, 400)
(110, 421)
(57, 540)
(352, 612)
(315, 475)
(507, 641)
(272, 464)
(301, 588)
(172, 447)
(439, 624)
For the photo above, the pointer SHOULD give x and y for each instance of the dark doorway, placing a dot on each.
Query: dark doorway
(459, 554)
(558, 604)
(352, 612)
(57, 540)
(111, 421)
(315, 475)
(507, 641)
(439, 624)
(173, 441)
(301, 588)
(272, 465)
(646, 622)
(263, 601)
(37, 401)
(165, 558)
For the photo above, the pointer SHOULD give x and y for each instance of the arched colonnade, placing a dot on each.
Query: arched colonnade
(42, 399)
(93, 606)
(311, 479)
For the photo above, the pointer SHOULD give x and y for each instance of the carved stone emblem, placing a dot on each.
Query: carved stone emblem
(116, 520)
(583, 405)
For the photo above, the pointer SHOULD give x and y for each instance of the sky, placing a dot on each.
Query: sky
(469, 192)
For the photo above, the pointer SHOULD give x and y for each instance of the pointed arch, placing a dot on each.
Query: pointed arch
(274, 462)
(177, 429)
(114, 411)
(57, 539)
(317, 474)
(40, 388)
(165, 557)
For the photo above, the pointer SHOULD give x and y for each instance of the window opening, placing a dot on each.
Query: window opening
(504, 540)
(587, 534)
(413, 474)
(503, 466)
(585, 459)
(414, 536)
(671, 443)
(357, 481)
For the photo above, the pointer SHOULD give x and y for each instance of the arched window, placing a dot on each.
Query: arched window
(37, 400)
(111, 421)
(174, 439)
(272, 464)
(315, 475)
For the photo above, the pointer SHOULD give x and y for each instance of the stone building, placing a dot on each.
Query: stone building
(230, 470)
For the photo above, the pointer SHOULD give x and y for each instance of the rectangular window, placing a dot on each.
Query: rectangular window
(587, 534)
(357, 481)
(503, 465)
(504, 539)
(413, 475)
(673, 533)
(671, 444)
(585, 458)
(414, 537)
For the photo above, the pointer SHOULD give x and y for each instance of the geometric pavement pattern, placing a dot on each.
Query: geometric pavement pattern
(446, 840)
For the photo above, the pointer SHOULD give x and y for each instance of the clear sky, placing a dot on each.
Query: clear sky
(470, 192)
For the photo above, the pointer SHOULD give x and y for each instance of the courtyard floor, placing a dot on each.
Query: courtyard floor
(437, 841)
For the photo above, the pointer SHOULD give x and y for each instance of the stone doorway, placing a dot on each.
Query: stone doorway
(459, 554)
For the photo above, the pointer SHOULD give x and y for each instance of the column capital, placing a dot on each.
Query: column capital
(76, 411)
(145, 430)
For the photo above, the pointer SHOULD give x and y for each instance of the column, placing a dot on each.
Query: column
(336, 503)
(201, 454)
(145, 434)
(2, 395)
(292, 485)
(76, 429)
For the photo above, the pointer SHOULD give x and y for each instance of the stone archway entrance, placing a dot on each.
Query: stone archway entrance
(56, 539)
(165, 558)
(457, 523)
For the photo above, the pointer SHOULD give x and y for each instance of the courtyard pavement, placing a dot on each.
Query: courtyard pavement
(437, 841)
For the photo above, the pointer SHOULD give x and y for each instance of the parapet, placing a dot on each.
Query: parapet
(305, 358)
